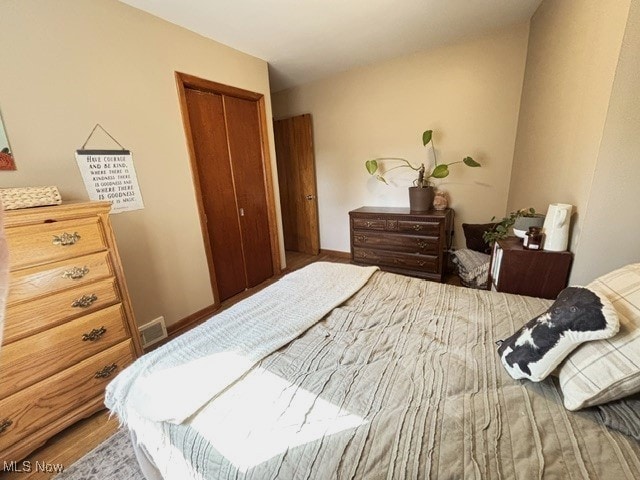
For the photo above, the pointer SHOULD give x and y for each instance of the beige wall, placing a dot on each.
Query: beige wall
(611, 228)
(571, 61)
(468, 93)
(67, 65)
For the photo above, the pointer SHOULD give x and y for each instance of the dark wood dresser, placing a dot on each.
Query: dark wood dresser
(400, 241)
(536, 273)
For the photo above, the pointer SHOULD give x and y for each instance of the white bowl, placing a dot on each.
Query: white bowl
(520, 233)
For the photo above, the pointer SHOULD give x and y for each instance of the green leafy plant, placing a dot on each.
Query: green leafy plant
(424, 178)
(501, 229)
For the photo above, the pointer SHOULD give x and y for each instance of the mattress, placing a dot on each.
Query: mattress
(400, 381)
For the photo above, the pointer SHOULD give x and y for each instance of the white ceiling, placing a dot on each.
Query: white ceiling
(305, 40)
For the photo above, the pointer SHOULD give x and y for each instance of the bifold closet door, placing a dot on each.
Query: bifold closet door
(209, 136)
(227, 141)
(245, 148)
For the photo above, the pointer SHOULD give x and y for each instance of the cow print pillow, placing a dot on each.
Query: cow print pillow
(577, 315)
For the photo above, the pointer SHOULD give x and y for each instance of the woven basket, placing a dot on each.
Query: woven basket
(26, 197)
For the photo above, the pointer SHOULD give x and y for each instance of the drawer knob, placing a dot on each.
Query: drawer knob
(4, 424)
(94, 334)
(106, 371)
(417, 227)
(84, 301)
(76, 272)
(361, 238)
(422, 243)
(66, 239)
(368, 224)
(422, 263)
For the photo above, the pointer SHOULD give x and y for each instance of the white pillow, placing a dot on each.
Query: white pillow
(538, 347)
(606, 370)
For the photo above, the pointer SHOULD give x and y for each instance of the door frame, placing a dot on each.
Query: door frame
(183, 81)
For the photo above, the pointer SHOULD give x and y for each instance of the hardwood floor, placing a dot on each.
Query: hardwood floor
(66, 447)
(296, 260)
(71, 444)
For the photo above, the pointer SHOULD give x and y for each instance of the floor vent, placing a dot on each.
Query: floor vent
(153, 332)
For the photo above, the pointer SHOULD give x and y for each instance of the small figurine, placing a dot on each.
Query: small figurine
(440, 200)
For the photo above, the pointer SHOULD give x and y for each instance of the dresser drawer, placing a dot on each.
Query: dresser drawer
(397, 243)
(421, 227)
(27, 318)
(422, 263)
(41, 405)
(44, 243)
(369, 223)
(34, 358)
(42, 280)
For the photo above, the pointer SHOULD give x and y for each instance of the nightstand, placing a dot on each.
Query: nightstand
(536, 273)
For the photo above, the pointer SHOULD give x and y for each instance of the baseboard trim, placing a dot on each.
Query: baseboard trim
(187, 323)
(336, 253)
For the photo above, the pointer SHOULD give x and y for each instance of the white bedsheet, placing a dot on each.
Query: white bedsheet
(171, 383)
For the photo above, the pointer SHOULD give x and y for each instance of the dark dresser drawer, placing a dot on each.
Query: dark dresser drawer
(398, 243)
(416, 226)
(369, 224)
(422, 263)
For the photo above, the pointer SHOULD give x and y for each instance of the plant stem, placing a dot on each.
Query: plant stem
(399, 159)
(433, 149)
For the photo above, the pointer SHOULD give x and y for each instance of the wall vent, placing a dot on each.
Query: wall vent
(153, 332)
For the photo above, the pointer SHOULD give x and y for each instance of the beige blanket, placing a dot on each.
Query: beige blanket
(401, 381)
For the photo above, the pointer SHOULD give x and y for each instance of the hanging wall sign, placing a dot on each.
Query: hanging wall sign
(110, 175)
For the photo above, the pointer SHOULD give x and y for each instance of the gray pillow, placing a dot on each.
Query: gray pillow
(622, 415)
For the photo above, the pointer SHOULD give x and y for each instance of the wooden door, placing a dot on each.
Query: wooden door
(226, 133)
(243, 131)
(207, 120)
(297, 179)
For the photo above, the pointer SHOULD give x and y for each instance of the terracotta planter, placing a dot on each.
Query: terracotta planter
(420, 199)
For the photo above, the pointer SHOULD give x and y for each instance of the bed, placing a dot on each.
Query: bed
(401, 380)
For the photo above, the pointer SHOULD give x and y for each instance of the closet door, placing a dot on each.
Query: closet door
(226, 128)
(245, 147)
(209, 140)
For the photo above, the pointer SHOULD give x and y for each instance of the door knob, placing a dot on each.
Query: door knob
(310, 197)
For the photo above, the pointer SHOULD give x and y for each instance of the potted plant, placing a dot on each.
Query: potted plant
(422, 192)
(520, 220)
